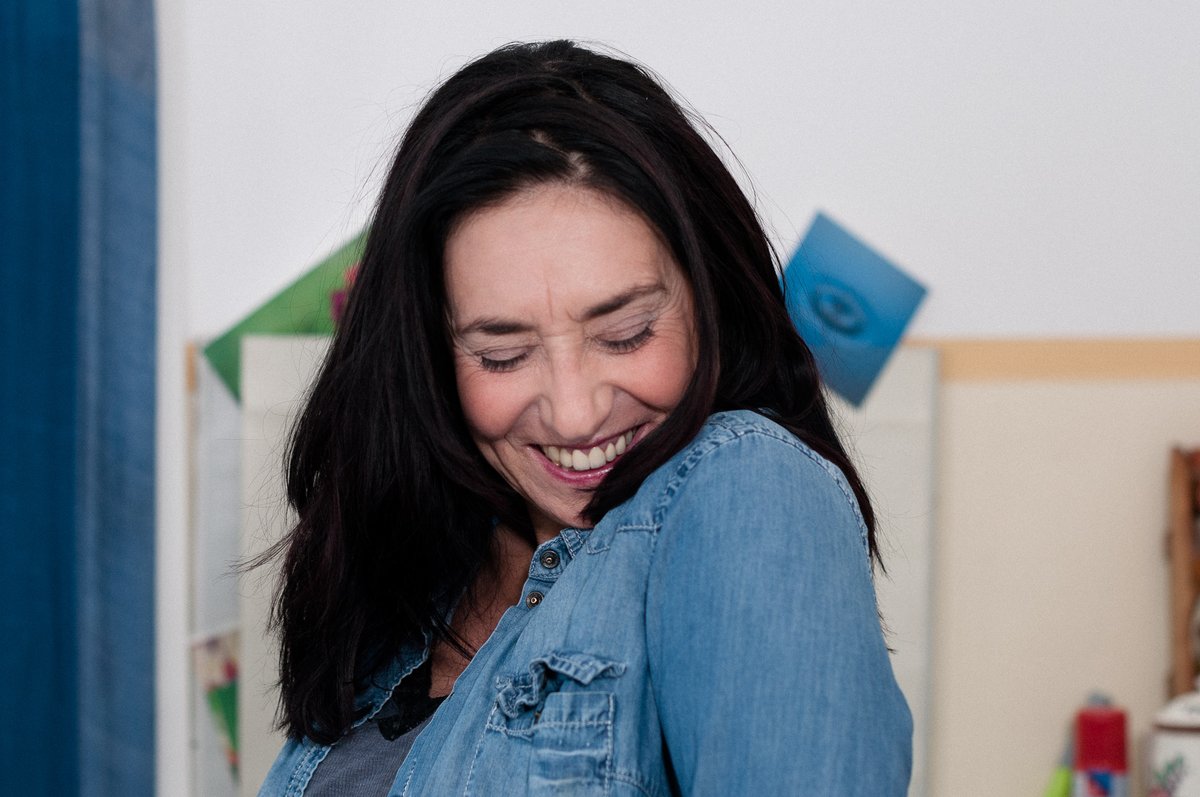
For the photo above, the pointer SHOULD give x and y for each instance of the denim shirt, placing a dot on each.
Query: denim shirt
(716, 634)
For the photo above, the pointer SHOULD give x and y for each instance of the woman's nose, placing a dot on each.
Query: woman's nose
(576, 402)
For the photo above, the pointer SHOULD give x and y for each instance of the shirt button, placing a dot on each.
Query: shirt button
(533, 599)
(550, 560)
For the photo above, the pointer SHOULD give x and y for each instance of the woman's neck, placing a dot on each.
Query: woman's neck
(497, 587)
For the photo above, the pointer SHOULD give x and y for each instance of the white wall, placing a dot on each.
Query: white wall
(1036, 165)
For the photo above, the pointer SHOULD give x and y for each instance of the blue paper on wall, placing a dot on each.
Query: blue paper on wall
(850, 304)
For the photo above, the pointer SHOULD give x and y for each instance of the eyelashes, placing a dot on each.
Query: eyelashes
(622, 346)
(629, 344)
(489, 364)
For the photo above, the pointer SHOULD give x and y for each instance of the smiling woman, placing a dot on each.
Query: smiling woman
(572, 517)
(574, 339)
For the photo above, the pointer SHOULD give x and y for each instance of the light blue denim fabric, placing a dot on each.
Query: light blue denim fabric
(714, 635)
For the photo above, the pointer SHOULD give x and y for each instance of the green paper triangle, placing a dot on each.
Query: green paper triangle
(302, 308)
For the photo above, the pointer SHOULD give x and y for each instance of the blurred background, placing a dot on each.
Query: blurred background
(169, 167)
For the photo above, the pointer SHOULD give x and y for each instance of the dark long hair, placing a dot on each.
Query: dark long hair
(394, 501)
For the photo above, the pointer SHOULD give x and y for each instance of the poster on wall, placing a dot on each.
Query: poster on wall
(851, 305)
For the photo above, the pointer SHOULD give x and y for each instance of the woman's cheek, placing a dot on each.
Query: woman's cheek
(663, 375)
(488, 402)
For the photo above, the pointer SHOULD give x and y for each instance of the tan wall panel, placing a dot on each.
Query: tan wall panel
(1050, 577)
(968, 360)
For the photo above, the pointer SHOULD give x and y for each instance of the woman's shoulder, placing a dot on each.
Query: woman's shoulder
(741, 441)
(736, 432)
(743, 456)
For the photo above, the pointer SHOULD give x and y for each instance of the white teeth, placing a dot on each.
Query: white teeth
(574, 459)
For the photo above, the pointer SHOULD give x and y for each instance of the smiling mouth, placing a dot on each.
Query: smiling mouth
(578, 459)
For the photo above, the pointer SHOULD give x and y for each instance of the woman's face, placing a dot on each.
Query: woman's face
(573, 335)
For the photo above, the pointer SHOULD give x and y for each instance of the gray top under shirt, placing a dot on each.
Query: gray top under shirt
(366, 759)
(363, 762)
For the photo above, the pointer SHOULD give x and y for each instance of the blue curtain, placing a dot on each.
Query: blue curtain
(39, 255)
(77, 352)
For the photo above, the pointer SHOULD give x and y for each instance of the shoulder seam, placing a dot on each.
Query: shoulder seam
(731, 431)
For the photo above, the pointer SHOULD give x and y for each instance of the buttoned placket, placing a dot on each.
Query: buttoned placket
(549, 561)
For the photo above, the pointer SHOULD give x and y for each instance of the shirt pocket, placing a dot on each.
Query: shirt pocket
(562, 707)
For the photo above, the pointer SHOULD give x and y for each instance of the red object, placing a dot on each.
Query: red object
(337, 300)
(1100, 740)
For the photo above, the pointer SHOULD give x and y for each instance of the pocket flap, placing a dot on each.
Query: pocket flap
(545, 674)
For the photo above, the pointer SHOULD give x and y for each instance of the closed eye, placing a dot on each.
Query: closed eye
(625, 345)
(507, 360)
(501, 364)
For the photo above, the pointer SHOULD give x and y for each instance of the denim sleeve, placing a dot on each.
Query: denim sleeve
(766, 656)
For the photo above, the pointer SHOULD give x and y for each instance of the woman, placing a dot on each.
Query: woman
(572, 516)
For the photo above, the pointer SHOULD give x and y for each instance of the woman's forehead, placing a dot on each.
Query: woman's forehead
(553, 251)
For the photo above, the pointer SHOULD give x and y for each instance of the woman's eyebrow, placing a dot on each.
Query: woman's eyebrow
(494, 326)
(504, 326)
(620, 300)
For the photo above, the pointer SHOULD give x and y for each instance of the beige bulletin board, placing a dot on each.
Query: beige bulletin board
(276, 372)
(893, 442)
(894, 445)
